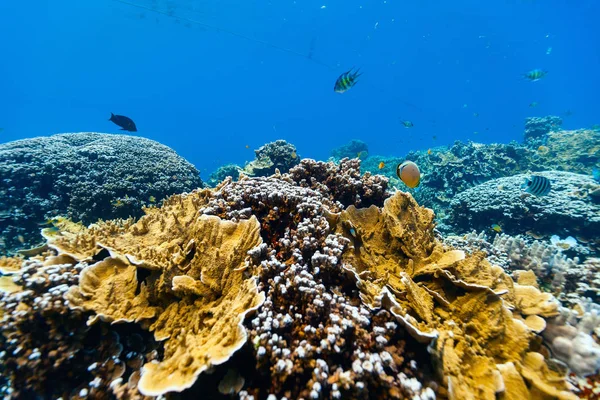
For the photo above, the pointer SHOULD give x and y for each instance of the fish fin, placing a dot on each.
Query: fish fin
(111, 116)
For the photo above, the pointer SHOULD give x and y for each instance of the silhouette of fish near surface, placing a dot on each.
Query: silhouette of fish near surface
(124, 122)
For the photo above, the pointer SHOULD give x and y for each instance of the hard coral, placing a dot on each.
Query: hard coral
(279, 155)
(536, 127)
(181, 274)
(85, 176)
(223, 172)
(341, 183)
(567, 210)
(461, 302)
(49, 352)
(353, 149)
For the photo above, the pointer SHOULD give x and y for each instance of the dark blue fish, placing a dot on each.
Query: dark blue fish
(537, 185)
(124, 122)
(346, 80)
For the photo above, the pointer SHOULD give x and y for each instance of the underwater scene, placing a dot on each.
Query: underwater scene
(285, 200)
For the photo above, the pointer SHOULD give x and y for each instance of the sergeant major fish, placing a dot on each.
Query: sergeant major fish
(536, 74)
(346, 80)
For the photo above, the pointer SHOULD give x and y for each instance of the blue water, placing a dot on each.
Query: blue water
(66, 65)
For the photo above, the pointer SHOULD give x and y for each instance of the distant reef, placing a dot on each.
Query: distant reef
(84, 176)
(449, 171)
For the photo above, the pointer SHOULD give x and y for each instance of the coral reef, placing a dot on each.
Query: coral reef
(193, 296)
(279, 155)
(446, 172)
(341, 183)
(574, 151)
(536, 127)
(47, 349)
(448, 298)
(567, 210)
(223, 172)
(353, 149)
(573, 344)
(85, 176)
(312, 296)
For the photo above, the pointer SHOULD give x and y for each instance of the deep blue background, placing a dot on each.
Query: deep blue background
(66, 65)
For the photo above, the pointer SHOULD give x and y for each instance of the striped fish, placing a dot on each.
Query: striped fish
(346, 80)
(537, 185)
(535, 75)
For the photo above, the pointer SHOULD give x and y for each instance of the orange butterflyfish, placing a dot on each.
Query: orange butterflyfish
(381, 165)
(409, 173)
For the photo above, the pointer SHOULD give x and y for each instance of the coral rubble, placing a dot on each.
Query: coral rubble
(85, 176)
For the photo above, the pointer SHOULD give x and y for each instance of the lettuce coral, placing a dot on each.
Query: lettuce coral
(179, 273)
(472, 312)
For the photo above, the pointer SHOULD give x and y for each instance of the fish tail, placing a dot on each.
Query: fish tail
(111, 116)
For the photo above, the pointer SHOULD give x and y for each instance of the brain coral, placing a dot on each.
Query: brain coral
(85, 176)
(567, 210)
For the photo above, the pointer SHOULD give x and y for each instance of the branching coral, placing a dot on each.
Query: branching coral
(49, 352)
(341, 182)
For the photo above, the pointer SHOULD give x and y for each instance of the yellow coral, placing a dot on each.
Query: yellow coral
(177, 272)
(474, 313)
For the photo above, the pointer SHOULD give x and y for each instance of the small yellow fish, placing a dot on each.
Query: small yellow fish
(152, 199)
(496, 228)
(543, 149)
(294, 155)
(247, 146)
(381, 165)
(117, 203)
(429, 151)
(21, 239)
